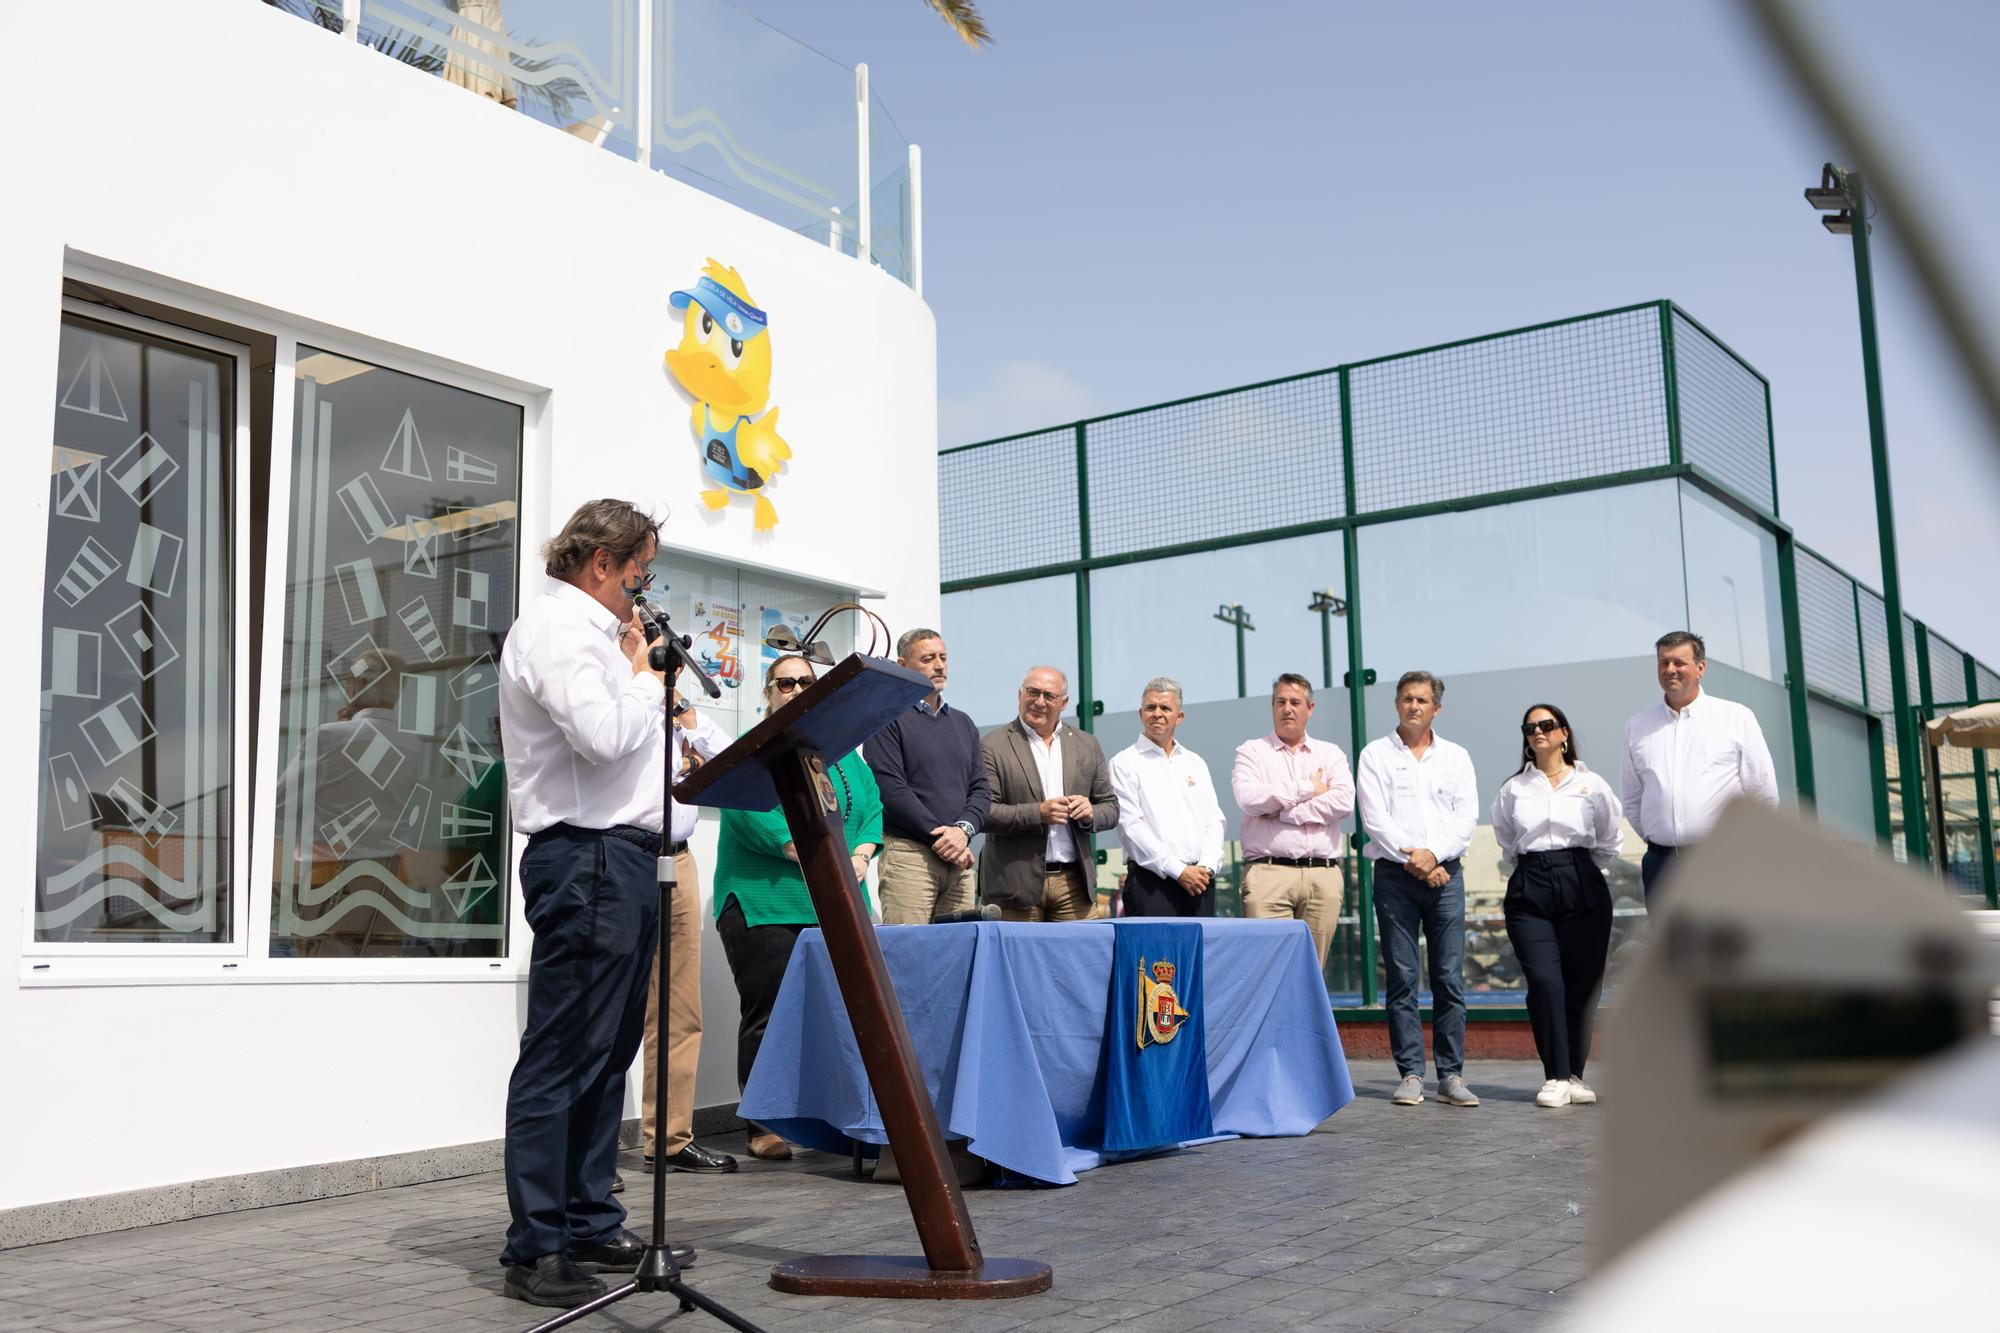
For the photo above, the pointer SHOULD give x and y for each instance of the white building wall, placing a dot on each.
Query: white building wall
(295, 180)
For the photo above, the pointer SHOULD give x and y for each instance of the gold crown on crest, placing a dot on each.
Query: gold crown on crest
(1163, 972)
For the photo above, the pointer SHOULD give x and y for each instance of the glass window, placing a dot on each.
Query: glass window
(1732, 586)
(995, 634)
(1569, 578)
(727, 612)
(392, 802)
(1159, 618)
(135, 831)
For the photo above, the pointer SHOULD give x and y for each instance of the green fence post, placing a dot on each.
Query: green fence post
(1357, 711)
(1987, 878)
(1917, 832)
(1086, 709)
(1795, 669)
(1671, 372)
(1878, 763)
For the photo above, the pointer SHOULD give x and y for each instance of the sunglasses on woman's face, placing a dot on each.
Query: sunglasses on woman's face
(787, 684)
(1545, 726)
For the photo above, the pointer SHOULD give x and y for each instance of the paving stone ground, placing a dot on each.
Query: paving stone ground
(1427, 1217)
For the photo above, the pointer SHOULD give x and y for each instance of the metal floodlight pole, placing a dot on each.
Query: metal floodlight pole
(1328, 606)
(1232, 613)
(1839, 185)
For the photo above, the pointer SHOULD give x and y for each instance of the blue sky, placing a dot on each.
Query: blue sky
(1128, 202)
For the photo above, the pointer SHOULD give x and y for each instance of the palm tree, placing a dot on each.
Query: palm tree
(963, 16)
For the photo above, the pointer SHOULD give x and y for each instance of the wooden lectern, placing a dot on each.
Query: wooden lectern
(778, 762)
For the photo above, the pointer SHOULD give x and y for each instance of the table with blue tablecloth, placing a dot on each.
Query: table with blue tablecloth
(1009, 1022)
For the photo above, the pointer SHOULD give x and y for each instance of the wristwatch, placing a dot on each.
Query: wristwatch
(963, 827)
(680, 707)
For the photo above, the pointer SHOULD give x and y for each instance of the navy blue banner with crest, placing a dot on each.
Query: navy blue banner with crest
(1156, 1089)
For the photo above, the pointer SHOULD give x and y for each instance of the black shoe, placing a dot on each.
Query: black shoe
(694, 1157)
(621, 1254)
(554, 1281)
(617, 1182)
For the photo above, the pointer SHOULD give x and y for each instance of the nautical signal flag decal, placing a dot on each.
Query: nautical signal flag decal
(1156, 1086)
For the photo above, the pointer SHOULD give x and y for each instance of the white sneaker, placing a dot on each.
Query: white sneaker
(1555, 1092)
(1580, 1093)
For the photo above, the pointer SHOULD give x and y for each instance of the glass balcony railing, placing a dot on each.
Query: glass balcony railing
(697, 89)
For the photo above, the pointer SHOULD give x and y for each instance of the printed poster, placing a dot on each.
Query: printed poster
(718, 641)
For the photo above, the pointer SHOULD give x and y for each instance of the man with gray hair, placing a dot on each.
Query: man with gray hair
(1051, 792)
(1168, 817)
(934, 795)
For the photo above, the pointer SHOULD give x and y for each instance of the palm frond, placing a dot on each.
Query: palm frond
(963, 16)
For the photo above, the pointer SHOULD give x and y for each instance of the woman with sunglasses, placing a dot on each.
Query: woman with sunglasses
(1558, 823)
(761, 901)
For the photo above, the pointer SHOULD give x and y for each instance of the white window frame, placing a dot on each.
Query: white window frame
(246, 959)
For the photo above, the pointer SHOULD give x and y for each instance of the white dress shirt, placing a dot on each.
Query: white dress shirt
(1048, 765)
(708, 740)
(1168, 817)
(580, 729)
(1580, 811)
(1681, 769)
(1405, 801)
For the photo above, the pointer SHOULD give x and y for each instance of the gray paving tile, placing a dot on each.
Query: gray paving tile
(1382, 1218)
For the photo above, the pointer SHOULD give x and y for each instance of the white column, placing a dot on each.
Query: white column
(861, 158)
(350, 19)
(915, 240)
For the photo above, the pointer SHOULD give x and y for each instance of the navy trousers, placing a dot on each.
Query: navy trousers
(593, 902)
(1402, 904)
(1653, 868)
(1559, 921)
(1148, 894)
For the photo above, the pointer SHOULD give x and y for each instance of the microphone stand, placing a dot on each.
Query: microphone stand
(657, 1270)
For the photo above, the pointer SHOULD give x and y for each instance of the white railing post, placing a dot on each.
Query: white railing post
(350, 19)
(861, 125)
(914, 242)
(642, 94)
(833, 230)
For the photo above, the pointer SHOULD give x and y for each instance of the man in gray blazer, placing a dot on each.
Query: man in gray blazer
(1051, 792)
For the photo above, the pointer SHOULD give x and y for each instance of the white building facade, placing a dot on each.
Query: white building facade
(309, 352)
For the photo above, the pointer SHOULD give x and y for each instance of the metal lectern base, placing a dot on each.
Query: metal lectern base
(908, 1277)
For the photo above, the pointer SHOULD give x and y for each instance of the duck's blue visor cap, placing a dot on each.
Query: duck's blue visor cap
(743, 320)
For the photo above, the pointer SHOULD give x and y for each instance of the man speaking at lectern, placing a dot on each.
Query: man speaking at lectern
(580, 715)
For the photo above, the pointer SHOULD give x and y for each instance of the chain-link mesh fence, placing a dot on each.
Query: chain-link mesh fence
(1581, 399)
(1251, 460)
(1008, 505)
(1827, 631)
(1725, 422)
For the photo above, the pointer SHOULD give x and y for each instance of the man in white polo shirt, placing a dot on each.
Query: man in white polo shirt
(1687, 757)
(1168, 817)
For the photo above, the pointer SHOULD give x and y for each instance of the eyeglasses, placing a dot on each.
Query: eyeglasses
(1545, 726)
(788, 684)
(1046, 696)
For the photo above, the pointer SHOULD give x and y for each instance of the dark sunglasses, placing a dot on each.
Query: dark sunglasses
(788, 684)
(1545, 726)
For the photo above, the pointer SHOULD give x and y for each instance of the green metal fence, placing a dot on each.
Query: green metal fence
(1611, 399)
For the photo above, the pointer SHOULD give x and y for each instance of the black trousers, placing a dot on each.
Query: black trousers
(1148, 894)
(1558, 910)
(757, 956)
(593, 902)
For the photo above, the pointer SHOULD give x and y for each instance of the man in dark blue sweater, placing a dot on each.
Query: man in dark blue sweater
(934, 796)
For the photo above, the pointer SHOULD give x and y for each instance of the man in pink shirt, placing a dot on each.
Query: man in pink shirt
(1293, 791)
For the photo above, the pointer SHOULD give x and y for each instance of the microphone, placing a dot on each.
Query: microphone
(670, 648)
(984, 912)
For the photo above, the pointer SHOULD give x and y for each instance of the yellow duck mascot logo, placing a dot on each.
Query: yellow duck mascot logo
(724, 364)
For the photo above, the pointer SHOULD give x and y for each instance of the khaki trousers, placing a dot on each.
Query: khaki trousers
(1310, 894)
(1065, 897)
(683, 1013)
(915, 885)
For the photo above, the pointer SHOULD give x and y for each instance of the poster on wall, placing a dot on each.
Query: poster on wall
(718, 642)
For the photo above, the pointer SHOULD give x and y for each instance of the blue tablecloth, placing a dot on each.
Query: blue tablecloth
(1009, 1023)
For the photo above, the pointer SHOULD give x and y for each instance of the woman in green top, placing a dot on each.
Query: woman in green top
(761, 902)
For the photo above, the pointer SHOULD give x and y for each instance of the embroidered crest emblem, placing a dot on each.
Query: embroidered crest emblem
(1160, 1014)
